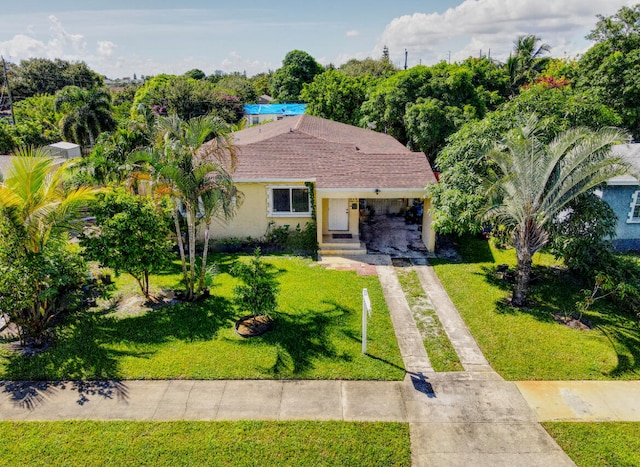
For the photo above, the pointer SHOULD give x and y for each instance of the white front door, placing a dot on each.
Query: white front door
(338, 214)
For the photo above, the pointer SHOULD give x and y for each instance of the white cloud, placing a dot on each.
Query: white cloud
(352, 33)
(60, 44)
(235, 62)
(476, 25)
(106, 48)
(61, 38)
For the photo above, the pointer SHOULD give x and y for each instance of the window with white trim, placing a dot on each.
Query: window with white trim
(289, 201)
(634, 212)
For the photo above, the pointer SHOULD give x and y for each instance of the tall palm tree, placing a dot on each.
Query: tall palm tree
(87, 113)
(197, 160)
(526, 60)
(534, 182)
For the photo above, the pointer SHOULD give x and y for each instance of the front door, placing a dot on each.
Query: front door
(338, 214)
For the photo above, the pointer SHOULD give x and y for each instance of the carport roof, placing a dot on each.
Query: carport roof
(332, 154)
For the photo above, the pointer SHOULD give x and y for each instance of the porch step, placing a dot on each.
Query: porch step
(336, 249)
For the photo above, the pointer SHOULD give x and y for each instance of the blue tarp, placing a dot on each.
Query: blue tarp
(273, 109)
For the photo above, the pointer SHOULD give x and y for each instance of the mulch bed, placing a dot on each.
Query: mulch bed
(573, 322)
(254, 325)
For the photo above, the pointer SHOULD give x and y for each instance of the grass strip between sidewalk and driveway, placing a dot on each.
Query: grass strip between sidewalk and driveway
(600, 444)
(441, 353)
(242, 443)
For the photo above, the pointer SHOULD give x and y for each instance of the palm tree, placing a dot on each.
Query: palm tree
(197, 160)
(38, 213)
(35, 202)
(526, 61)
(87, 112)
(534, 182)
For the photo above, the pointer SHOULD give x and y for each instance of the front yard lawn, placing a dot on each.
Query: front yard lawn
(528, 343)
(598, 444)
(316, 335)
(204, 443)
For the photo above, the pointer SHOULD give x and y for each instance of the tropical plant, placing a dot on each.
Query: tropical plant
(526, 61)
(196, 162)
(131, 235)
(259, 291)
(534, 182)
(37, 214)
(87, 113)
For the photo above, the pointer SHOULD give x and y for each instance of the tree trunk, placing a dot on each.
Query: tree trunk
(528, 238)
(523, 276)
(205, 251)
(191, 233)
(176, 220)
(146, 283)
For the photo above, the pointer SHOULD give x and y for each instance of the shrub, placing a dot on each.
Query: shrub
(258, 294)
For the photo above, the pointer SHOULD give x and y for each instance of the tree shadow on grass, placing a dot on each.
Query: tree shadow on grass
(552, 292)
(189, 322)
(623, 333)
(302, 338)
(471, 249)
(84, 348)
(555, 292)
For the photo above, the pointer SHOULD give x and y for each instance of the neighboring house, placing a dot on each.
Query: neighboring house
(623, 195)
(260, 113)
(290, 168)
(58, 151)
(264, 99)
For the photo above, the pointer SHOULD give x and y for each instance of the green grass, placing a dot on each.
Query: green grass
(598, 444)
(441, 353)
(204, 443)
(528, 344)
(316, 336)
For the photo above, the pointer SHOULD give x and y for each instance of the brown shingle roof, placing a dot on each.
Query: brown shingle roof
(333, 154)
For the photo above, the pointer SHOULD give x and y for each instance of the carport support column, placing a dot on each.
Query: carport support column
(428, 234)
(319, 218)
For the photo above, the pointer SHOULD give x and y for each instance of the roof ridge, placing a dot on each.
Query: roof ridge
(299, 122)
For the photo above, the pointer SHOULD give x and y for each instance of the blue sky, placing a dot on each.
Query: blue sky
(119, 38)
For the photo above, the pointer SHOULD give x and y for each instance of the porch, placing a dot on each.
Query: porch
(344, 222)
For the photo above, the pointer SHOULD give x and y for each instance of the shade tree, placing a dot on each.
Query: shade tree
(131, 235)
(463, 167)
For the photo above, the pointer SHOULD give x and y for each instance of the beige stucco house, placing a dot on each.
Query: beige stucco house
(286, 166)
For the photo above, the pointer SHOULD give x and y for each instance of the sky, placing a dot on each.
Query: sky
(120, 38)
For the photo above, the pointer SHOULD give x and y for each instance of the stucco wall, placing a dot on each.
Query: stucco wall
(252, 217)
(619, 198)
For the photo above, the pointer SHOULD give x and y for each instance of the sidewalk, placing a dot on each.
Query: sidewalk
(204, 400)
(583, 401)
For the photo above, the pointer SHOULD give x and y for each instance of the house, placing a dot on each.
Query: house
(260, 113)
(623, 195)
(291, 169)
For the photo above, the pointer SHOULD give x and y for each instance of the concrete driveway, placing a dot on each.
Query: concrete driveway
(391, 235)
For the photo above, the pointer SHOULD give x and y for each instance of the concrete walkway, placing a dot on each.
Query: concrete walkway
(472, 417)
(583, 401)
